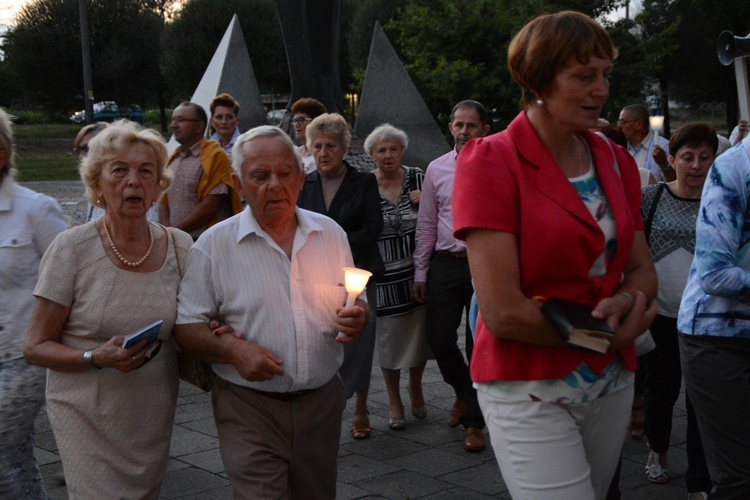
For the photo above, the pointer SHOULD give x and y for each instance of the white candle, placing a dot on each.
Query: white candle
(355, 281)
(657, 122)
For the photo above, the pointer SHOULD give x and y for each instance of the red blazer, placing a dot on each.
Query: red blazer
(509, 182)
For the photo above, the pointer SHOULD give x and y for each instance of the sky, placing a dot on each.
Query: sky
(8, 8)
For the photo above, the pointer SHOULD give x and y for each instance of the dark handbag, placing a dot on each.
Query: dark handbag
(192, 369)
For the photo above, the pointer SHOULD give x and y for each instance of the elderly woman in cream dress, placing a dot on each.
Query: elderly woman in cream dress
(112, 409)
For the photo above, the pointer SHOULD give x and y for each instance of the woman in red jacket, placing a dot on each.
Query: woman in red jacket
(549, 209)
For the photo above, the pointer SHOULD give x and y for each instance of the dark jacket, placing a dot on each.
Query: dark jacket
(356, 208)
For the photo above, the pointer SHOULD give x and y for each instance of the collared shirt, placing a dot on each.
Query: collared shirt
(237, 273)
(29, 221)
(228, 148)
(183, 193)
(643, 153)
(435, 220)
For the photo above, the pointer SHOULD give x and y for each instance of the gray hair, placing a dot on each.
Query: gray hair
(385, 132)
(6, 143)
(112, 142)
(330, 124)
(238, 155)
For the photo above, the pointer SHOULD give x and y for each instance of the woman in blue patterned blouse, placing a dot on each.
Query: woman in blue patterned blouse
(714, 324)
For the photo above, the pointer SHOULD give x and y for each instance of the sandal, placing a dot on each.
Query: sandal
(361, 427)
(655, 472)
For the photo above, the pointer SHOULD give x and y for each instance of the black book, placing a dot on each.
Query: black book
(576, 326)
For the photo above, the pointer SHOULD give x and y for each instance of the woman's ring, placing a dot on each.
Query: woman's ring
(133, 358)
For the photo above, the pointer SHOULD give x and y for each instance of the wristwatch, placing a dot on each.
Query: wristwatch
(88, 358)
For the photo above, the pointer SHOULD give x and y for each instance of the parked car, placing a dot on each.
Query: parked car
(109, 111)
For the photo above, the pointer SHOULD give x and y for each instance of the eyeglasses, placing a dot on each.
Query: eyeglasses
(181, 120)
(300, 121)
(224, 118)
(625, 122)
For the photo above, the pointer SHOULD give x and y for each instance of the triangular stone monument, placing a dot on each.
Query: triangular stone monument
(389, 96)
(231, 71)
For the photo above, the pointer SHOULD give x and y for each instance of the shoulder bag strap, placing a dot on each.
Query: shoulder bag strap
(412, 179)
(616, 165)
(650, 219)
(176, 255)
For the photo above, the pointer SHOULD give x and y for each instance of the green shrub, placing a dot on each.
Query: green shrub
(29, 117)
(152, 117)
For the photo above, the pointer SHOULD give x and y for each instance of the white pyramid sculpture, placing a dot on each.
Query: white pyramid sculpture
(231, 71)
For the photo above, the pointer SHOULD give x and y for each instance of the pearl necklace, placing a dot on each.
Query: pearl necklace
(117, 252)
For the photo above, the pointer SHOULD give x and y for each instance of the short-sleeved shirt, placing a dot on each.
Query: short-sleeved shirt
(183, 193)
(237, 273)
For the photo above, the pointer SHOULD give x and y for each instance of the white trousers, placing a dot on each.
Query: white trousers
(558, 451)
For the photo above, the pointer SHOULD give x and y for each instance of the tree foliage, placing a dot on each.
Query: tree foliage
(458, 50)
(43, 52)
(192, 38)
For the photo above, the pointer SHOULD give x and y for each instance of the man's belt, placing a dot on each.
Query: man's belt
(285, 396)
(455, 255)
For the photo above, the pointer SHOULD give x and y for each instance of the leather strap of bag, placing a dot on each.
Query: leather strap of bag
(650, 219)
(176, 255)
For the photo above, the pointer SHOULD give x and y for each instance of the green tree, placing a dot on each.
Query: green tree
(43, 52)
(192, 38)
(693, 71)
(458, 50)
(359, 18)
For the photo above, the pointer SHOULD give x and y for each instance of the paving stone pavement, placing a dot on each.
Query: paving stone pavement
(426, 460)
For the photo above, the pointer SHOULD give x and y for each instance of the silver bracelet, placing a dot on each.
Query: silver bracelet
(88, 358)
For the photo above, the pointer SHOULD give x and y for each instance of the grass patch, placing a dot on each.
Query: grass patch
(56, 169)
(47, 130)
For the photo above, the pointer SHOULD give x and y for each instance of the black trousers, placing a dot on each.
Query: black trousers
(663, 377)
(449, 292)
(717, 380)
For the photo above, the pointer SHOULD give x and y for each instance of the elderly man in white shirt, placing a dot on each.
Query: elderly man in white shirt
(274, 273)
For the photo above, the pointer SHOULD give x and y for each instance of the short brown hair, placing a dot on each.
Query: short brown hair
(311, 107)
(693, 134)
(547, 43)
(227, 101)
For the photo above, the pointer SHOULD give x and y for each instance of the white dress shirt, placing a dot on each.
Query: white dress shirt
(236, 273)
(29, 221)
(643, 153)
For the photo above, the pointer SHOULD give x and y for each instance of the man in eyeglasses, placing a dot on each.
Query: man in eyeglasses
(649, 150)
(201, 193)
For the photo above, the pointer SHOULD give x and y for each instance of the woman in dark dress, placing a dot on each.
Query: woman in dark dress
(351, 198)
